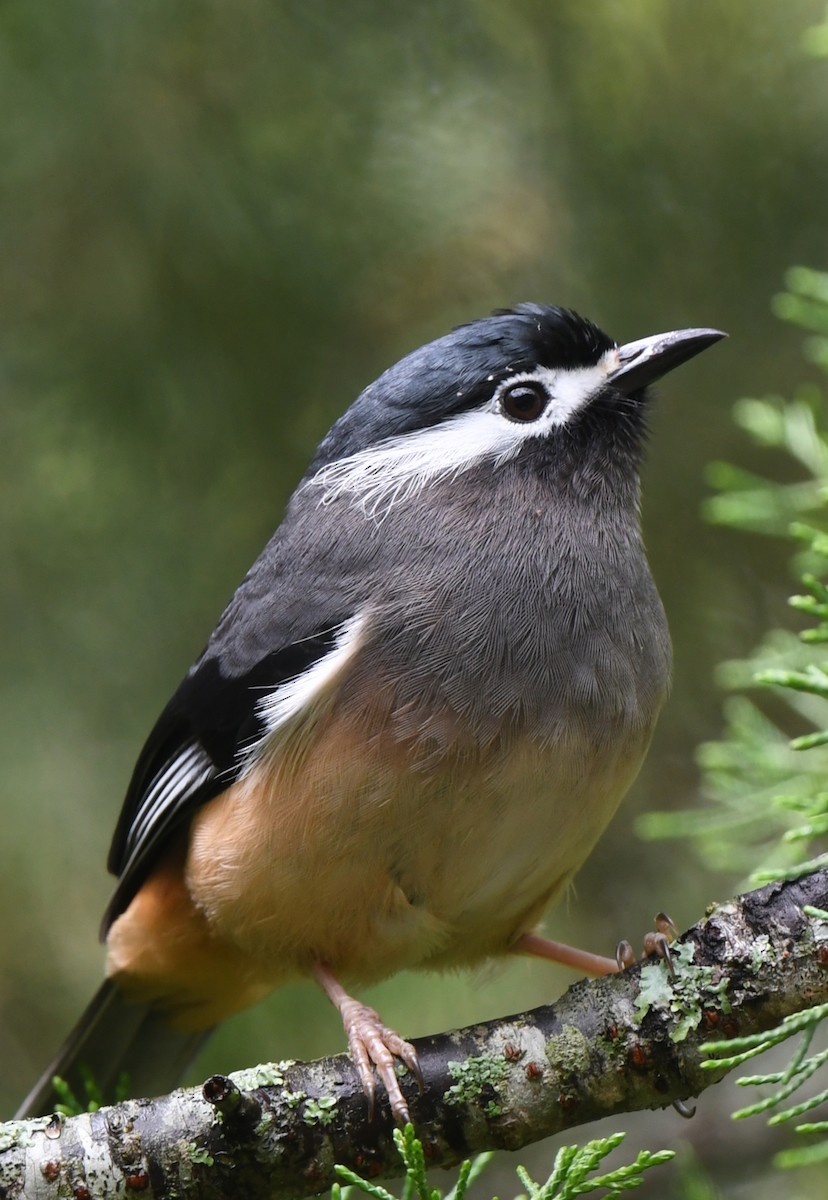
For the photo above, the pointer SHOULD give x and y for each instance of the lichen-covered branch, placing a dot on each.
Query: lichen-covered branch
(608, 1046)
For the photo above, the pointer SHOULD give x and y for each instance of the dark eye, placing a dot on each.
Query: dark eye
(523, 401)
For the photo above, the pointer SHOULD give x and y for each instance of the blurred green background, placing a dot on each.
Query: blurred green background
(219, 222)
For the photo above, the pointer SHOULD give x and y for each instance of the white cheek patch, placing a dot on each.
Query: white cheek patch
(383, 475)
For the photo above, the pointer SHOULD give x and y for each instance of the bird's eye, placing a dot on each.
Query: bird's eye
(523, 401)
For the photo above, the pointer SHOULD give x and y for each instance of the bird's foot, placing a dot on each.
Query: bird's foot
(372, 1045)
(657, 942)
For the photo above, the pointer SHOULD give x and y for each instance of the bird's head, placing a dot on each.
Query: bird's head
(535, 381)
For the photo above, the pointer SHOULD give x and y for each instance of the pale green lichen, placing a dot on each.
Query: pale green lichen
(319, 1111)
(19, 1133)
(264, 1124)
(694, 990)
(568, 1051)
(760, 952)
(198, 1154)
(265, 1075)
(655, 991)
(293, 1099)
(472, 1076)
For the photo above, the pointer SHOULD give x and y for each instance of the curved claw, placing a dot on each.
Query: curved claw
(684, 1110)
(665, 924)
(624, 955)
(657, 943)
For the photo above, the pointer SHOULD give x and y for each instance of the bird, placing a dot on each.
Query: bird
(417, 714)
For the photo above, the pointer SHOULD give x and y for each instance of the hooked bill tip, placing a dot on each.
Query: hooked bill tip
(644, 361)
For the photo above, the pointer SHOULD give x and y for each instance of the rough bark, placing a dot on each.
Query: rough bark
(277, 1131)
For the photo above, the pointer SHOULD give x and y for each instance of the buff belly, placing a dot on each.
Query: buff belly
(371, 865)
(367, 859)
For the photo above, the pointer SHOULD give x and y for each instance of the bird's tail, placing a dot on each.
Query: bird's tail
(112, 1040)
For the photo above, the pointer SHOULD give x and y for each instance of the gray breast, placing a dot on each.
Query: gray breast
(506, 606)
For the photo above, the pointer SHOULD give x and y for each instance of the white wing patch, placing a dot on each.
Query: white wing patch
(191, 766)
(383, 475)
(301, 696)
(182, 775)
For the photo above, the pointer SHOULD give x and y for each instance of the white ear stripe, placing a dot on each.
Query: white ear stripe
(382, 475)
(393, 470)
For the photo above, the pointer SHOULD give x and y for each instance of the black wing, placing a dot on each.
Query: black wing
(196, 748)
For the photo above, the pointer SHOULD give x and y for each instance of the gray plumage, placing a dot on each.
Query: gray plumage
(427, 697)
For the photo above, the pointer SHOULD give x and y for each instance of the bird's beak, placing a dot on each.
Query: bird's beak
(643, 362)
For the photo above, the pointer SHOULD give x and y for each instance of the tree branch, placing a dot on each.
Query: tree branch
(610, 1045)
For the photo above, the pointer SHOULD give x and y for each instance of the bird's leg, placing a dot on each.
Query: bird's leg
(569, 956)
(371, 1043)
(657, 942)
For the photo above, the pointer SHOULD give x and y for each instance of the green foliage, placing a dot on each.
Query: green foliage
(71, 1105)
(574, 1165)
(416, 1183)
(815, 39)
(573, 1173)
(799, 1070)
(694, 1182)
(768, 790)
(769, 810)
